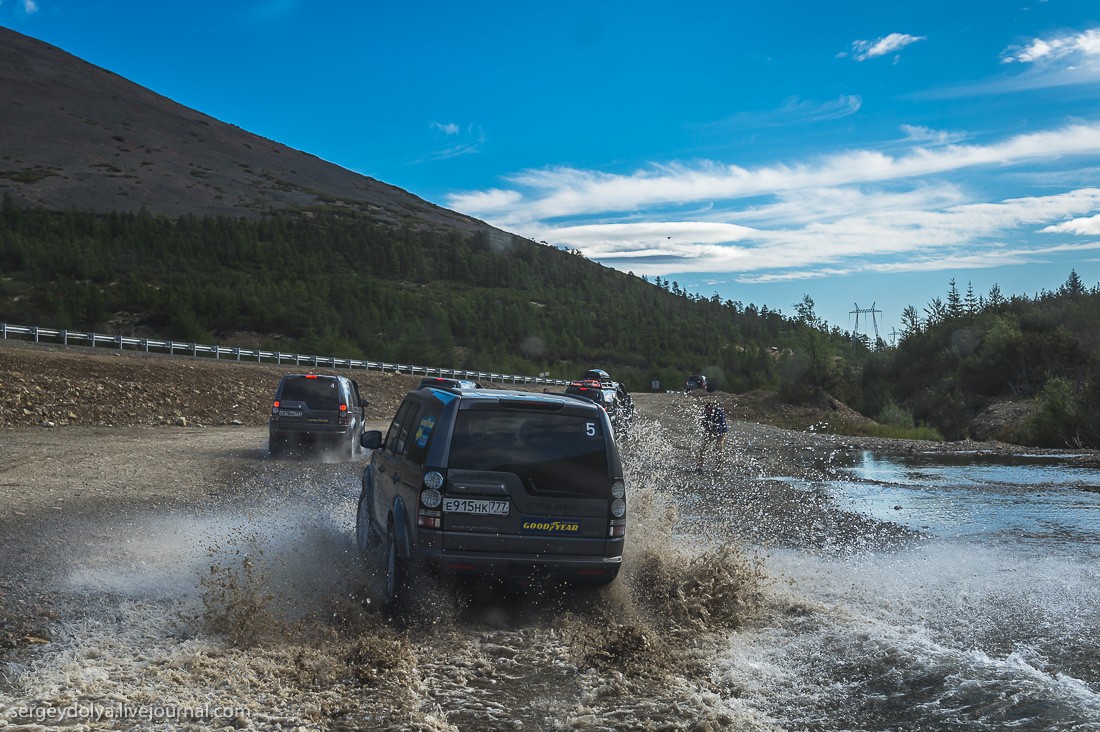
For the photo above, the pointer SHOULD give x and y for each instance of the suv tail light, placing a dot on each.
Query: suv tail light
(428, 514)
(343, 418)
(616, 527)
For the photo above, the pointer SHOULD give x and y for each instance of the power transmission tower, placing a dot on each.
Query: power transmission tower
(874, 321)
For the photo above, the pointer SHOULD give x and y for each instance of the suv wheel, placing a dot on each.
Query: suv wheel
(396, 585)
(275, 445)
(366, 538)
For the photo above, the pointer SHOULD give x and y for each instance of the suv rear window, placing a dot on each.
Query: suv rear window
(553, 454)
(316, 393)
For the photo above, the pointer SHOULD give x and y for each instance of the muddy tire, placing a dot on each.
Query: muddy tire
(366, 535)
(276, 446)
(395, 585)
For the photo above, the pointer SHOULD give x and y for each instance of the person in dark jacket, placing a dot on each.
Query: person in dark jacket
(713, 423)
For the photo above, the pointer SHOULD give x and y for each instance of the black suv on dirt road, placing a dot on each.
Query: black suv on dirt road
(498, 484)
(310, 409)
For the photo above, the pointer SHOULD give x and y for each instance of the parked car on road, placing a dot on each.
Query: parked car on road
(442, 382)
(311, 410)
(696, 381)
(489, 483)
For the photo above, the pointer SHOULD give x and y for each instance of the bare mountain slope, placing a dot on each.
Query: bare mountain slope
(78, 136)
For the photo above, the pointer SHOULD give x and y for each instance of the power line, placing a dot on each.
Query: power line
(864, 311)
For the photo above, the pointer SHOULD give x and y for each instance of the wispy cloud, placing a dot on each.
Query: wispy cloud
(859, 210)
(793, 112)
(1067, 48)
(28, 7)
(561, 192)
(1056, 61)
(925, 135)
(447, 129)
(461, 141)
(866, 50)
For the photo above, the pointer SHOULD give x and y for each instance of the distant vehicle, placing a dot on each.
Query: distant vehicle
(445, 383)
(696, 381)
(492, 483)
(611, 396)
(597, 374)
(313, 410)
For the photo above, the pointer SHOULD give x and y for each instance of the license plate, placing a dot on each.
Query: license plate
(469, 505)
(290, 412)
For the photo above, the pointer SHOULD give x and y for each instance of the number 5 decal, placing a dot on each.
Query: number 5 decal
(590, 429)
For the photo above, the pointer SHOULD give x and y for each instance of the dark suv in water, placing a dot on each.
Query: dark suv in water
(497, 484)
(310, 409)
(611, 396)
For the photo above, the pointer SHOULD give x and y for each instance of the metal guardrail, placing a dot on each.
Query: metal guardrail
(175, 348)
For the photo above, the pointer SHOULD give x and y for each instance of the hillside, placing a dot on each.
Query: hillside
(77, 136)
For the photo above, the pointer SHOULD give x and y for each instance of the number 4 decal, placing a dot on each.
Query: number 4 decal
(590, 429)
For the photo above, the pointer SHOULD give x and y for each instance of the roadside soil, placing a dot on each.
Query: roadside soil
(130, 480)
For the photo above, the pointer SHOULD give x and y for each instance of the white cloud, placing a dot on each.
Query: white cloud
(30, 7)
(447, 129)
(865, 50)
(563, 192)
(929, 136)
(895, 239)
(1089, 226)
(907, 209)
(1070, 48)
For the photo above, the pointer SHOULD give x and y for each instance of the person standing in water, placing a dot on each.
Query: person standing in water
(713, 423)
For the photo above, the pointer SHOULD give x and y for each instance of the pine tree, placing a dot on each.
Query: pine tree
(954, 302)
(971, 301)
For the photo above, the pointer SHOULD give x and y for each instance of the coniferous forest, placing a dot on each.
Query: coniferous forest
(340, 285)
(331, 283)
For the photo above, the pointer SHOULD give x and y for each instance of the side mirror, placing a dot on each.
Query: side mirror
(371, 439)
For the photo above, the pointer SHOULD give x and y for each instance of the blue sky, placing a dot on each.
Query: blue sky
(859, 152)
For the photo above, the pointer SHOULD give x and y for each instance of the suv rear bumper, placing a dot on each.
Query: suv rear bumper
(300, 428)
(595, 570)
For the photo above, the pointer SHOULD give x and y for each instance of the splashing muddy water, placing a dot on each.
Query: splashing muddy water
(752, 598)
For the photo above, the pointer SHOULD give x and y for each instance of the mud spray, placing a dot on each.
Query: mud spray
(264, 606)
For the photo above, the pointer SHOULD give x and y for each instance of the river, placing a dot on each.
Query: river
(989, 621)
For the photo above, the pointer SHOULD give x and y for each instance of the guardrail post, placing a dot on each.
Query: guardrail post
(118, 341)
(34, 332)
(4, 330)
(65, 337)
(92, 337)
(237, 352)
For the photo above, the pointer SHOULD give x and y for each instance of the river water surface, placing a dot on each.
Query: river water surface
(991, 620)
